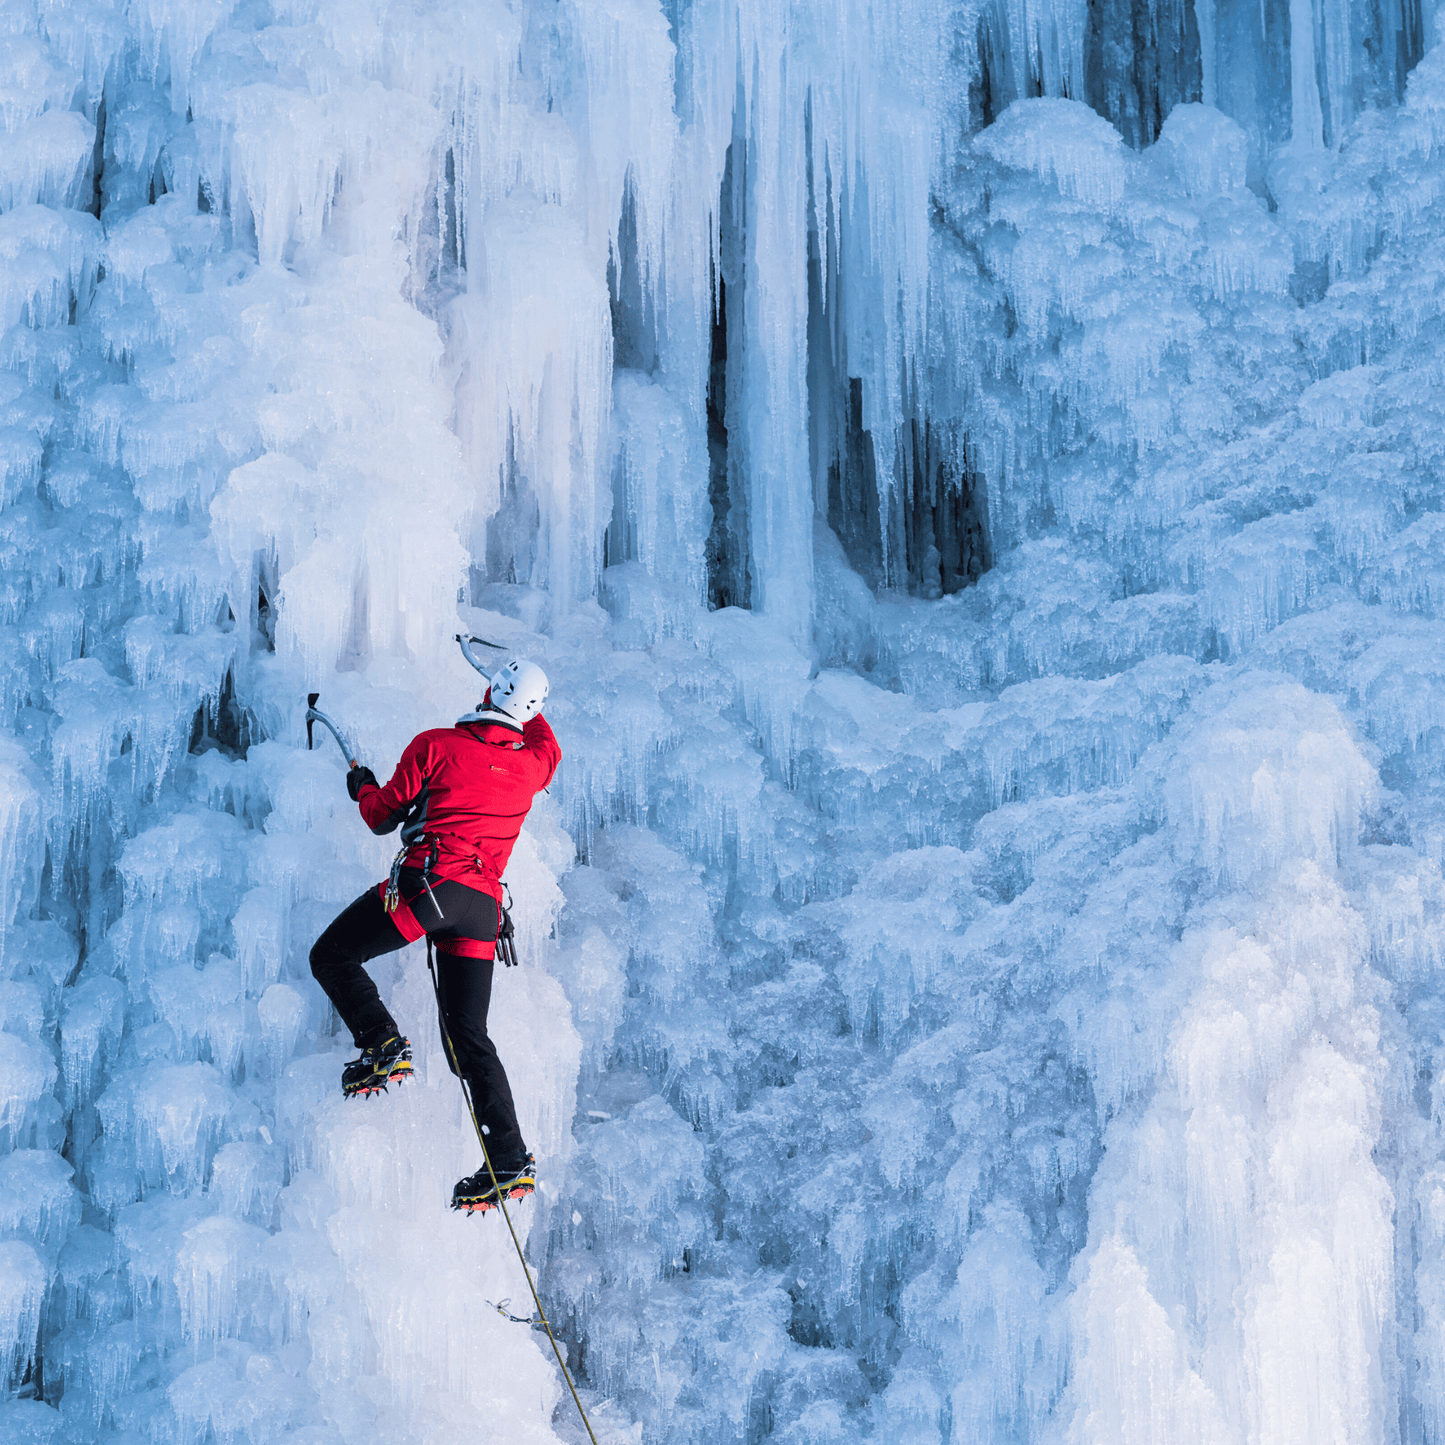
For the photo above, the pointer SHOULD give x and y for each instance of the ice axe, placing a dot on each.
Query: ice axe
(313, 716)
(466, 645)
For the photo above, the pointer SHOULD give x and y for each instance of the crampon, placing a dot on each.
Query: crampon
(385, 1063)
(476, 1193)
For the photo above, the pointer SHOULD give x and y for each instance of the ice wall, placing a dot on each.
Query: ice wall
(979, 988)
(215, 377)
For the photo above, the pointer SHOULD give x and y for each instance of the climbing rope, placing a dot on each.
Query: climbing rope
(501, 1202)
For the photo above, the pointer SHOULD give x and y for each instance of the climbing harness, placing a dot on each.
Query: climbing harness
(501, 1200)
(391, 899)
(506, 940)
(412, 833)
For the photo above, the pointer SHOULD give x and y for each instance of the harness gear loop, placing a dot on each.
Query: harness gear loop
(501, 1200)
(393, 882)
(392, 897)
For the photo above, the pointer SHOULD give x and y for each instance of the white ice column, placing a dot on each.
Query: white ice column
(1242, 1283)
(775, 318)
(1307, 116)
(1242, 1234)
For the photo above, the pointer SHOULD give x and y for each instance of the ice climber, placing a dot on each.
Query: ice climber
(459, 795)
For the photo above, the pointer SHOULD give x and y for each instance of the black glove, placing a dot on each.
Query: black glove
(357, 778)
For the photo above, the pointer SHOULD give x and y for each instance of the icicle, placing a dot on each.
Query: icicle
(45, 160)
(174, 33)
(90, 1029)
(22, 1289)
(216, 1271)
(173, 1119)
(40, 1203)
(20, 834)
(50, 260)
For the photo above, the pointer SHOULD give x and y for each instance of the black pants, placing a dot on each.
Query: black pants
(364, 930)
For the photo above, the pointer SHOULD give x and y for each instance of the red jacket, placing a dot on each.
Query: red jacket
(473, 785)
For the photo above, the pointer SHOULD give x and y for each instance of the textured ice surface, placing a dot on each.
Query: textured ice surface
(968, 1013)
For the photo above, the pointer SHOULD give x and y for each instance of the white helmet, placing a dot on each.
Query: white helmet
(519, 688)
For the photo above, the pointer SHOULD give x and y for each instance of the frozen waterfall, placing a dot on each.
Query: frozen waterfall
(973, 471)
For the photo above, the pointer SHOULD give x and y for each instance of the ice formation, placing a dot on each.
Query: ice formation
(972, 472)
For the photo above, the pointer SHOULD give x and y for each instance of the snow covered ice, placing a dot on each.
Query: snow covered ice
(973, 473)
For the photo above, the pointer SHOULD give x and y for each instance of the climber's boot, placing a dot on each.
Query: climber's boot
(516, 1178)
(388, 1062)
